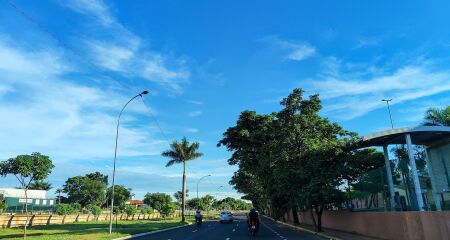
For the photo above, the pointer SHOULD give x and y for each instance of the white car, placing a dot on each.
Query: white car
(226, 217)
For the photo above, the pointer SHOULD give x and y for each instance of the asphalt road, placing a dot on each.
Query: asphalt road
(211, 230)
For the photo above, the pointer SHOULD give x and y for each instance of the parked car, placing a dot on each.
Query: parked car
(226, 216)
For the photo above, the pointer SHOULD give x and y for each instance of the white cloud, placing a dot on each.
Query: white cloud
(195, 113)
(125, 53)
(296, 51)
(94, 8)
(59, 117)
(195, 102)
(348, 96)
(192, 130)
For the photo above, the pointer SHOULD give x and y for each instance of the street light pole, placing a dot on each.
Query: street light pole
(209, 175)
(115, 157)
(389, 109)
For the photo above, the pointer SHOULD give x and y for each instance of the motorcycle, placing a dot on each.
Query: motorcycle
(199, 221)
(253, 228)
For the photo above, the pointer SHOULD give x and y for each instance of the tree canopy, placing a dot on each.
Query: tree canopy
(294, 158)
(437, 117)
(157, 201)
(86, 190)
(121, 195)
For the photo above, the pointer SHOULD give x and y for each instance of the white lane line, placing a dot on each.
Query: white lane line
(194, 231)
(227, 238)
(234, 230)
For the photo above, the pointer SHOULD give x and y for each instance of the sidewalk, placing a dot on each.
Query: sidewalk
(328, 233)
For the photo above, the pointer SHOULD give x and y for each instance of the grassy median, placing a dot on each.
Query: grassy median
(93, 230)
(89, 230)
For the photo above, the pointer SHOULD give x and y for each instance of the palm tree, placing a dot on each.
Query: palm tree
(40, 185)
(59, 191)
(181, 152)
(437, 117)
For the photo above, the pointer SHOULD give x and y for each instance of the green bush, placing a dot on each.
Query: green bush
(131, 211)
(146, 210)
(168, 208)
(3, 206)
(94, 209)
(66, 209)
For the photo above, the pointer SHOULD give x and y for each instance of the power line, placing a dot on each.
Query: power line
(80, 56)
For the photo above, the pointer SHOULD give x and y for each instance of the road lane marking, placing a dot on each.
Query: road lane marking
(194, 231)
(227, 238)
(234, 230)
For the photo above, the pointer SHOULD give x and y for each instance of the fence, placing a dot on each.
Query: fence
(7, 221)
(410, 225)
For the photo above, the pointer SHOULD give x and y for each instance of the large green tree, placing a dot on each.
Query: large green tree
(40, 185)
(27, 168)
(437, 117)
(86, 190)
(121, 195)
(182, 152)
(157, 201)
(292, 159)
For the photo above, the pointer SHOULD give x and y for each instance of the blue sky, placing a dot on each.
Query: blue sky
(67, 67)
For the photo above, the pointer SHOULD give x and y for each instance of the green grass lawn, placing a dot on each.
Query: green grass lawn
(93, 230)
(89, 230)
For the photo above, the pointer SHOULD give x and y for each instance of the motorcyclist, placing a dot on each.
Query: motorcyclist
(253, 216)
(198, 216)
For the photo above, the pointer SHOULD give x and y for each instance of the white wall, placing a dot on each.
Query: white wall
(20, 193)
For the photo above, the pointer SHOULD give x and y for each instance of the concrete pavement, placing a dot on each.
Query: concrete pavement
(212, 230)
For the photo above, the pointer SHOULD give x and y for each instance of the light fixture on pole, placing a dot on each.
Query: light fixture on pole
(209, 175)
(115, 157)
(389, 110)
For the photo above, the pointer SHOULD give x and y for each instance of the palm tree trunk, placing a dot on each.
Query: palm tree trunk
(183, 200)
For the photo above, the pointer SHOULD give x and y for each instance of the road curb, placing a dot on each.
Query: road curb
(306, 230)
(154, 232)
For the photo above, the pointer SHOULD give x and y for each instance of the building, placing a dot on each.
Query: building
(419, 195)
(36, 200)
(135, 203)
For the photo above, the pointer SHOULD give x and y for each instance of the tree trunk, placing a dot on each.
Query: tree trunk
(183, 200)
(313, 218)
(26, 214)
(295, 215)
(319, 210)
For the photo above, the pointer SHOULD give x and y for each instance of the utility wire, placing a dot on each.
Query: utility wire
(80, 56)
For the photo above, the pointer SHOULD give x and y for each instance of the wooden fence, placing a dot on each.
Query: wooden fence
(17, 220)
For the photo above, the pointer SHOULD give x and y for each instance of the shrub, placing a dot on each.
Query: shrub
(65, 209)
(3, 206)
(146, 210)
(130, 211)
(168, 208)
(94, 209)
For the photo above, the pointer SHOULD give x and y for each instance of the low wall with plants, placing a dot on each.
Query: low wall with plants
(17, 220)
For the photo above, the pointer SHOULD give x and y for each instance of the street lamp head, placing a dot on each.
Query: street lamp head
(386, 100)
(144, 92)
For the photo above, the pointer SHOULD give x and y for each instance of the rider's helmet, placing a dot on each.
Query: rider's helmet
(253, 210)
(198, 211)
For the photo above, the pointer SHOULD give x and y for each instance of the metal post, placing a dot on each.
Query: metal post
(115, 158)
(436, 196)
(389, 177)
(414, 174)
(389, 110)
(209, 175)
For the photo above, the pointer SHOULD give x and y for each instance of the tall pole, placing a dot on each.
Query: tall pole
(115, 157)
(389, 110)
(209, 175)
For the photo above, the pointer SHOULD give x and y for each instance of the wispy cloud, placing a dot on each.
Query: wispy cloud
(95, 8)
(350, 95)
(196, 102)
(294, 50)
(125, 52)
(195, 113)
(192, 130)
(69, 120)
(367, 42)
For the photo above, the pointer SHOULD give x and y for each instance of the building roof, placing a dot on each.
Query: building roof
(20, 193)
(135, 202)
(420, 135)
